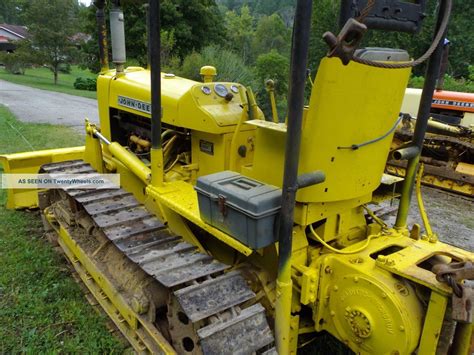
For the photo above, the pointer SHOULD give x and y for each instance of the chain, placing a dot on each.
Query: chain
(457, 288)
(366, 11)
(453, 274)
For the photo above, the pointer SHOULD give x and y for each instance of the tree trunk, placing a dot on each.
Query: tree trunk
(55, 76)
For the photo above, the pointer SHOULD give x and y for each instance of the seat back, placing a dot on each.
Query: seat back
(349, 105)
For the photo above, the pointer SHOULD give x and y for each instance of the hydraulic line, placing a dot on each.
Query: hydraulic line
(375, 140)
(338, 251)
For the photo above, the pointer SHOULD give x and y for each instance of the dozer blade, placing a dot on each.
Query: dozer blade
(210, 311)
(30, 163)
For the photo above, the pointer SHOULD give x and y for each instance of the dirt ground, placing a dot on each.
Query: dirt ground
(451, 216)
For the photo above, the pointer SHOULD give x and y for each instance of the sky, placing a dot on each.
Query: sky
(85, 2)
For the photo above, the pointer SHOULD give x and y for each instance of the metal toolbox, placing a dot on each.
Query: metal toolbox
(244, 208)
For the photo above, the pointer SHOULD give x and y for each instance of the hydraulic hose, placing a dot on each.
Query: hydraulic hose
(338, 251)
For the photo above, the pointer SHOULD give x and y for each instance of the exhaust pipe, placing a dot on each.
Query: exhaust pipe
(154, 45)
(102, 30)
(406, 153)
(117, 32)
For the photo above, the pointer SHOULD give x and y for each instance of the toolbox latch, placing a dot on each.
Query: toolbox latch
(222, 206)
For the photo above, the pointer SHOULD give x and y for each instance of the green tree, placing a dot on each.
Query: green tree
(11, 11)
(187, 25)
(271, 34)
(228, 64)
(325, 18)
(195, 23)
(461, 34)
(51, 25)
(240, 29)
(276, 67)
(19, 60)
(259, 7)
(270, 7)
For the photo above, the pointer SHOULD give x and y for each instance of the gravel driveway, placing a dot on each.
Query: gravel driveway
(41, 106)
(451, 216)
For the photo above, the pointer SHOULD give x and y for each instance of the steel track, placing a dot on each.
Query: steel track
(219, 307)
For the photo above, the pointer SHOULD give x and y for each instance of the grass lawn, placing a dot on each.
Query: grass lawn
(42, 78)
(42, 310)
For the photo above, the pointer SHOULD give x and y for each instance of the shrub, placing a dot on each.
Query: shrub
(273, 66)
(65, 68)
(416, 82)
(14, 67)
(450, 83)
(19, 60)
(228, 64)
(471, 72)
(85, 84)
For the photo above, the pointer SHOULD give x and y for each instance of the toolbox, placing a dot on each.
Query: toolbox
(242, 207)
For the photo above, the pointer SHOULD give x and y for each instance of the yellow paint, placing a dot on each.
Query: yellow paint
(157, 173)
(462, 343)
(223, 152)
(360, 305)
(350, 292)
(131, 161)
(294, 332)
(184, 102)
(181, 198)
(142, 335)
(274, 106)
(233, 143)
(339, 115)
(283, 311)
(30, 163)
(465, 168)
(208, 73)
(421, 205)
(436, 181)
(432, 329)
(93, 149)
(309, 285)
